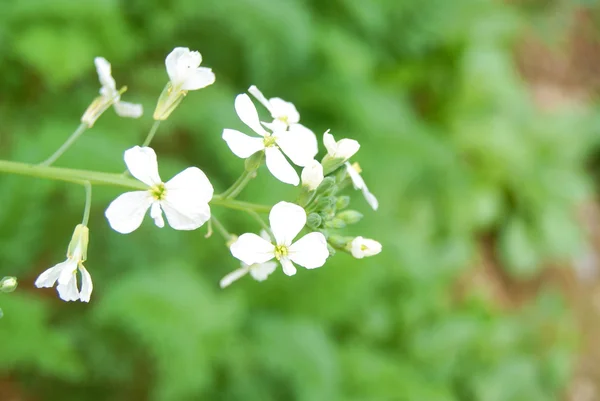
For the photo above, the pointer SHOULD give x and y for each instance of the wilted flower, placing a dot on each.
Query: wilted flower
(184, 199)
(299, 146)
(109, 95)
(287, 220)
(66, 272)
(361, 247)
(185, 74)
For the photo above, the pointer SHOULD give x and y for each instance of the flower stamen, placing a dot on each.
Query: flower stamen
(281, 251)
(158, 191)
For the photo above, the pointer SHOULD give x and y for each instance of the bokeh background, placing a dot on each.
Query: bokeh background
(480, 135)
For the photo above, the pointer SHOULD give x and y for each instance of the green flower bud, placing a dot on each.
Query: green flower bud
(326, 185)
(339, 241)
(253, 162)
(342, 202)
(8, 284)
(350, 216)
(336, 223)
(326, 203)
(314, 221)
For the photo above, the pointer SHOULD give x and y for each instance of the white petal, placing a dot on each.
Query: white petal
(260, 271)
(371, 199)
(86, 285)
(286, 219)
(253, 90)
(357, 180)
(187, 197)
(288, 267)
(241, 144)
(104, 74)
(198, 79)
(299, 144)
(67, 285)
(285, 110)
(246, 111)
(125, 214)
(233, 276)
(156, 214)
(250, 249)
(142, 164)
(310, 251)
(280, 167)
(265, 235)
(181, 63)
(126, 109)
(312, 175)
(329, 143)
(346, 148)
(48, 278)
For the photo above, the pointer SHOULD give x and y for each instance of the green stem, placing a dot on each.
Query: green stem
(220, 228)
(69, 175)
(74, 136)
(98, 178)
(151, 133)
(239, 205)
(88, 202)
(238, 185)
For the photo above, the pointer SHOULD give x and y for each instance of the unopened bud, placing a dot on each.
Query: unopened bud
(350, 216)
(342, 202)
(314, 221)
(8, 284)
(253, 162)
(326, 185)
(326, 203)
(336, 223)
(338, 241)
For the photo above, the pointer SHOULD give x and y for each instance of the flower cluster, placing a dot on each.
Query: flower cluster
(305, 232)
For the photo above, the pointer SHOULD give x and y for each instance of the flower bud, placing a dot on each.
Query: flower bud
(342, 202)
(361, 247)
(168, 100)
(314, 221)
(350, 216)
(326, 185)
(254, 162)
(8, 284)
(312, 175)
(336, 223)
(338, 241)
(326, 203)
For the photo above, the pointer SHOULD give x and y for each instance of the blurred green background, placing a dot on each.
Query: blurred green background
(479, 132)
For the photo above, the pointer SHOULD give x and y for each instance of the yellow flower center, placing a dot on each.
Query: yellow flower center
(363, 247)
(281, 251)
(269, 140)
(283, 119)
(158, 191)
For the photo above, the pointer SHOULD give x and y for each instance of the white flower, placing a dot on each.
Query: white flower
(109, 95)
(299, 145)
(66, 272)
(184, 199)
(361, 247)
(358, 183)
(312, 175)
(343, 149)
(284, 113)
(258, 271)
(287, 220)
(185, 74)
